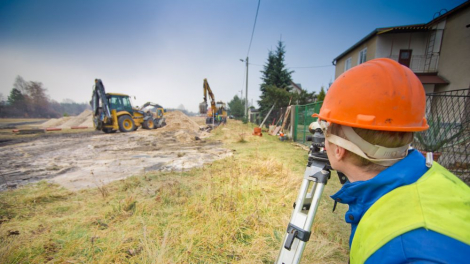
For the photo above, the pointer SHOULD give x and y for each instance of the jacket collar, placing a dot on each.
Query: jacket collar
(361, 195)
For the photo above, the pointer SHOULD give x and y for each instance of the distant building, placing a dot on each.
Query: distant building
(438, 52)
(295, 87)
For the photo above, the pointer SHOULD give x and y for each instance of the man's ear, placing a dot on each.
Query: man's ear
(339, 152)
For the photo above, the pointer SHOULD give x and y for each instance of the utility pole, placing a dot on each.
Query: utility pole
(246, 92)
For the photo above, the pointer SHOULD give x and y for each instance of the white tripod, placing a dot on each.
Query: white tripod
(316, 176)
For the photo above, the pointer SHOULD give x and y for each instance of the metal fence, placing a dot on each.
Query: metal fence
(303, 118)
(448, 115)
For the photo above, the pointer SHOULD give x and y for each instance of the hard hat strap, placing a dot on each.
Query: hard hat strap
(377, 154)
(375, 151)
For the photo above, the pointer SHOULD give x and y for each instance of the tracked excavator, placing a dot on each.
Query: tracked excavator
(217, 114)
(114, 111)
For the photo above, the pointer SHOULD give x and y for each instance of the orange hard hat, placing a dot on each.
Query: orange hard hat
(380, 94)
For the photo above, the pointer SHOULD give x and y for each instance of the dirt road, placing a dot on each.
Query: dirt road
(84, 160)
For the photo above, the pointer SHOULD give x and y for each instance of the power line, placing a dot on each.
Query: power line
(253, 32)
(320, 66)
(306, 67)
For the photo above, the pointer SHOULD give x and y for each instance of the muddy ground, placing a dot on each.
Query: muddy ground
(93, 158)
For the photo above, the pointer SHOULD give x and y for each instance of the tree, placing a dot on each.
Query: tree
(20, 84)
(38, 102)
(321, 95)
(16, 98)
(237, 107)
(275, 76)
(305, 97)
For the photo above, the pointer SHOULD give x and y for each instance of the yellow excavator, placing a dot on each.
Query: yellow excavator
(114, 111)
(217, 114)
(157, 111)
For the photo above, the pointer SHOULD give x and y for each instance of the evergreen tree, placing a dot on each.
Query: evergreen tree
(275, 77)
(305, 97)
(16, 97)
(237, 107)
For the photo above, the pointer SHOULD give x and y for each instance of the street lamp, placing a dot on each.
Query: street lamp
(246, 92)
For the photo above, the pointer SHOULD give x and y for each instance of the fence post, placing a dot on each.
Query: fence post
(305, 134)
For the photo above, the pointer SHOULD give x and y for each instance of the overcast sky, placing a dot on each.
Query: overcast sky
(161, 50)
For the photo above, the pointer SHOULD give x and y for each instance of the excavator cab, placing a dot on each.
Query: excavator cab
(120, 102)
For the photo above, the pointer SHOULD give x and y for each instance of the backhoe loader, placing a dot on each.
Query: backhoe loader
(114, 111)
(218, 113)
(157, 111)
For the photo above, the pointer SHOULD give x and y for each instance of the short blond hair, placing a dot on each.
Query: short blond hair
(388, 139)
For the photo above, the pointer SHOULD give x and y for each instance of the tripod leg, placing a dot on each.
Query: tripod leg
(299, 228)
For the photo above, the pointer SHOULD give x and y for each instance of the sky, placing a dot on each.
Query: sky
(161, 50)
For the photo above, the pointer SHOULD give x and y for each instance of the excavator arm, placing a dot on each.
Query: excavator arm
(98, 95)
(100, 111)
(203, 105)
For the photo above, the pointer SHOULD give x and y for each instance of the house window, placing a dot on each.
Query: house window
(362, 56)
(347, 64)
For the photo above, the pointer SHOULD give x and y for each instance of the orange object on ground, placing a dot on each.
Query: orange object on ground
(380, 94)
(53, 129)
(257, 132)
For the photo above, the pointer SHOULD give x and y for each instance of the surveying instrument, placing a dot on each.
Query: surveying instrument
(316, 176)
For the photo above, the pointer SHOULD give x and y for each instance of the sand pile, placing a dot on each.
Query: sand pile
(177, 120)
(55, 122)
(88, 122)
(83, 120)
(78, 120)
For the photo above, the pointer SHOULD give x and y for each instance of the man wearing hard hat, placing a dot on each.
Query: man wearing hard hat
(400, 210)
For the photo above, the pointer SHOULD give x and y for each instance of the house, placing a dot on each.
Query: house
(295, 87)
(438, 52)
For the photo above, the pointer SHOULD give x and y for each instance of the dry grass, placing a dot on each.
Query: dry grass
(231, 211)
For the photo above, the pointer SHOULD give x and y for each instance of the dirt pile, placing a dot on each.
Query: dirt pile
(83, 120)
(177, 120)
(78, 120)
(184, 128)
(55, 122)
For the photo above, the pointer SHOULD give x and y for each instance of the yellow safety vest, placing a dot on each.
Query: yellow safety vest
(438, 201)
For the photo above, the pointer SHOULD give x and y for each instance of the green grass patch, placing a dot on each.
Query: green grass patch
(234, 210)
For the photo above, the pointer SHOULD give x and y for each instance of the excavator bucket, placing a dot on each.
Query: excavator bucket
(203, 108)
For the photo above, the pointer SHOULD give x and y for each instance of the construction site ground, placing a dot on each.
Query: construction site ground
(85, 158)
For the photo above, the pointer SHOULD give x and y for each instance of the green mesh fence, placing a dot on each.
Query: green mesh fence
(303, 118)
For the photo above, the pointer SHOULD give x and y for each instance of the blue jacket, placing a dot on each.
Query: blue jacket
(417, 246)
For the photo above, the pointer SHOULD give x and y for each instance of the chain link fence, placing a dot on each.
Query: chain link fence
(448, 136)
(303, 118)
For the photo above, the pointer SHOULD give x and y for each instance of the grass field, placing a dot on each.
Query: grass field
(234, 210)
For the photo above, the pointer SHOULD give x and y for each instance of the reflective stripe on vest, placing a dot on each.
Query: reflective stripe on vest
(438, 201)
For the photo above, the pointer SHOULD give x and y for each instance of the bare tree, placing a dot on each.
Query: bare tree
(21, 85)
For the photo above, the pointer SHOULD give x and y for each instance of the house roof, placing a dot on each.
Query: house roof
(297, 86)
(403, 29)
